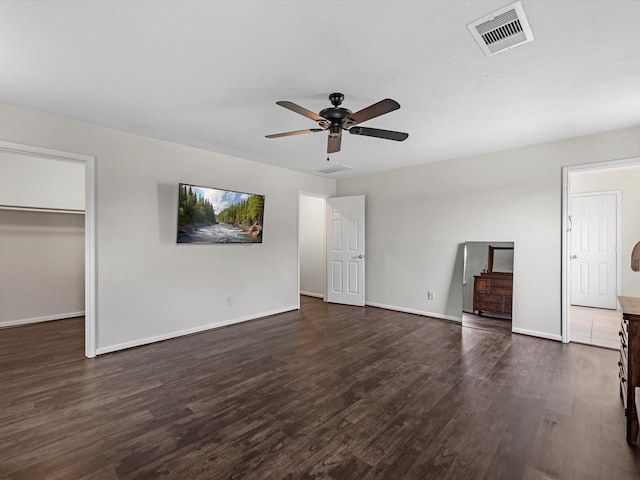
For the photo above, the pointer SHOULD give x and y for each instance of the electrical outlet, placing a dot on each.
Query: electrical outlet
(229, 300)
(431, 295)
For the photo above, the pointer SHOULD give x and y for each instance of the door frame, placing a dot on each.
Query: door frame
(90, 294)
(566, 244)
(302, 193)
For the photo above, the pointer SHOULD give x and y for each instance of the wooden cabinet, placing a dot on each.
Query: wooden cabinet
(493, 292)
(629, 363)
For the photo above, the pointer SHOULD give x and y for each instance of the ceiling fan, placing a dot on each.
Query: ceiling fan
(337, 118)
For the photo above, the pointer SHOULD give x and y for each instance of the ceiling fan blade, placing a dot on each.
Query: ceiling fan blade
(296, 132)
(383, 106)
(376, 132)
(333, 144)
(301, 110)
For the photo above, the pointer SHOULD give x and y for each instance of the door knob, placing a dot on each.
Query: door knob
(359, 256)
(573, 257)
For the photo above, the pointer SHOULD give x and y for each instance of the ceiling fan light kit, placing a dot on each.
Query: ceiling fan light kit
(337, 118)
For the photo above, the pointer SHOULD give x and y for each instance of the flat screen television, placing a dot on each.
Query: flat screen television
(213, 215)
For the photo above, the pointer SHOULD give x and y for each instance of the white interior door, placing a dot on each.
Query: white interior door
(593, 250)
(345, 250)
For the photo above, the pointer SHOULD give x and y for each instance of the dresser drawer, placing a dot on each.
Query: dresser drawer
(624, 332)
(623, 390)
(629, 363)
(482, 286)
(489, 304)
(622, 363)
(624, 348)
(502, 288)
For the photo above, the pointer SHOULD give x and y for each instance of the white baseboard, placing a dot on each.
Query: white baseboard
(311, 294)
(522, 331)
(48, 318)
(188, 331)
(415, 312)
(534, 333)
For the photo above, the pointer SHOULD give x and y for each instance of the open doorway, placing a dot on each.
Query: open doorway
(88, 163)
(311, 244)
(331, 230)
(594, 239)
(601, 203)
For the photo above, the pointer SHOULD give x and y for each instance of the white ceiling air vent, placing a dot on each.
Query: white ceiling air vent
(503, 29)
(334, 169)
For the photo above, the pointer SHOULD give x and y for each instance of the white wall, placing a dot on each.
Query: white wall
(312, 245)
(38, 182)
(148, 287)
(627, 181)
(41, 266)
(418, 218)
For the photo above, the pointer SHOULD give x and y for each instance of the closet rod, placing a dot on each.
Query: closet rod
(41, 209)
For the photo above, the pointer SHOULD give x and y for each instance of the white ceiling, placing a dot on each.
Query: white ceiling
(208, 73)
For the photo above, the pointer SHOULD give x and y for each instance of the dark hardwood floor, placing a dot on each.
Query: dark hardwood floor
(489, 323)
(327, 392)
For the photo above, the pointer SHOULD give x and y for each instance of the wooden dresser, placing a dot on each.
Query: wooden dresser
(629, 363)
(493, 292)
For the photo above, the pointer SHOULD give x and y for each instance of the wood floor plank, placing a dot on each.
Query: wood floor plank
(329, 391)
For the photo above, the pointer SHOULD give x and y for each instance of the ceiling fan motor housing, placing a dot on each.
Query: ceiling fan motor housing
(334, 115)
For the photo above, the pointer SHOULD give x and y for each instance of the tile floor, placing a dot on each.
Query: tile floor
(594, 326)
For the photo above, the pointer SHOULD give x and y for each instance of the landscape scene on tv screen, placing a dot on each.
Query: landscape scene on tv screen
(211, 215)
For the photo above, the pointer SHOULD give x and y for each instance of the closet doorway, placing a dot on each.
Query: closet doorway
(42, 201)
